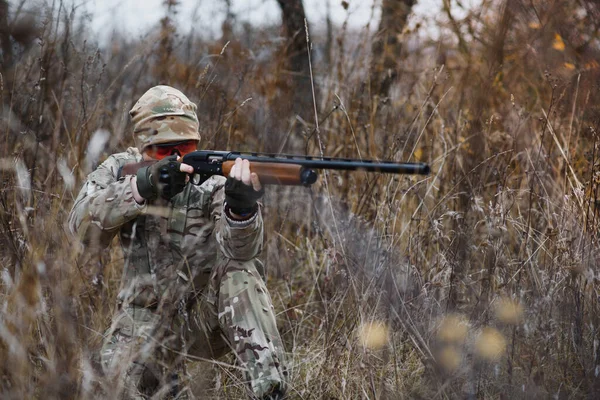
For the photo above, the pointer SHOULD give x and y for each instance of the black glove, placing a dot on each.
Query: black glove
(163, 178)
(241, 198)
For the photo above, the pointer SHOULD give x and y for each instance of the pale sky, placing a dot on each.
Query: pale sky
(137, 16)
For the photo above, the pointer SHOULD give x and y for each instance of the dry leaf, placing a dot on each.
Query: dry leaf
(558, 43)
(418, 154)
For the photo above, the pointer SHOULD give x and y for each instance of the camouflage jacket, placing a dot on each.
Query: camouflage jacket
(181, 238)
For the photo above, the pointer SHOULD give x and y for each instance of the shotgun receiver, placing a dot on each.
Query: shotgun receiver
(288, 169)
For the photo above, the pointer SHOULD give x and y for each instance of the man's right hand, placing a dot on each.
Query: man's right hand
(165, 178)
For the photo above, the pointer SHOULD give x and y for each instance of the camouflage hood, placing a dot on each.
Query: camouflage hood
(163, 115)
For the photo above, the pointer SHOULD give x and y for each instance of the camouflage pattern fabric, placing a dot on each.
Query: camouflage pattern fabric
(191, 284)
(163, 115)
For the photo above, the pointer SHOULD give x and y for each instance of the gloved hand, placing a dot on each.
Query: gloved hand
(242, 189)
(163, 178)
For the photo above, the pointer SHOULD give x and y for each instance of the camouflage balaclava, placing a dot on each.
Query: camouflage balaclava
(163, 115)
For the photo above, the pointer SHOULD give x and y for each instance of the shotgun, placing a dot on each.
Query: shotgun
(281, 169)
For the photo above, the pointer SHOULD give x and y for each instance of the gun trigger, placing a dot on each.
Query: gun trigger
(196, 179)
(199, 179)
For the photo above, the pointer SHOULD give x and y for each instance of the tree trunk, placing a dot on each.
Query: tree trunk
(293, 16)
(5, 36)
(474, 156)
(293, 23)
(166, 46)
(385, 58)
(227, 25)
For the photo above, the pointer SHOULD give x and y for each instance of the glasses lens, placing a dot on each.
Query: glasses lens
(161, 151)
(187, 147)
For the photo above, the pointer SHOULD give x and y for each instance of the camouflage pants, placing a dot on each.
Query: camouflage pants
(144, 349)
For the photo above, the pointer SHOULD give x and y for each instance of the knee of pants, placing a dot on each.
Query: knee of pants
(243, 300)
(230, 277)
(242, 277)
(253, 266)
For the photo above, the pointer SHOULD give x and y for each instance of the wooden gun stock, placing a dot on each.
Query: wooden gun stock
(132, 168)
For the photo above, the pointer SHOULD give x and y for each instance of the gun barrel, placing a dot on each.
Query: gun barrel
(348, 164)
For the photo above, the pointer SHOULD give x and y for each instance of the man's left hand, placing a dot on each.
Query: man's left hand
(242, 190)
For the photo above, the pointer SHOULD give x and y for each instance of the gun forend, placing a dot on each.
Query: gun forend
(278, 174)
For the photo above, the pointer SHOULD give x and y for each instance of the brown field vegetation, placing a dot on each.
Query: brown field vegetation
(478, 281)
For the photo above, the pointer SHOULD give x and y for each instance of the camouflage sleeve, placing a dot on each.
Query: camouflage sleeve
(103, 205)
(238, 240)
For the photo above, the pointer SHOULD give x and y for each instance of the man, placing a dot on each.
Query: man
(191, 285)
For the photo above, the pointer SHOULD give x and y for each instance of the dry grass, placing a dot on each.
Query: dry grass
(479, 281)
